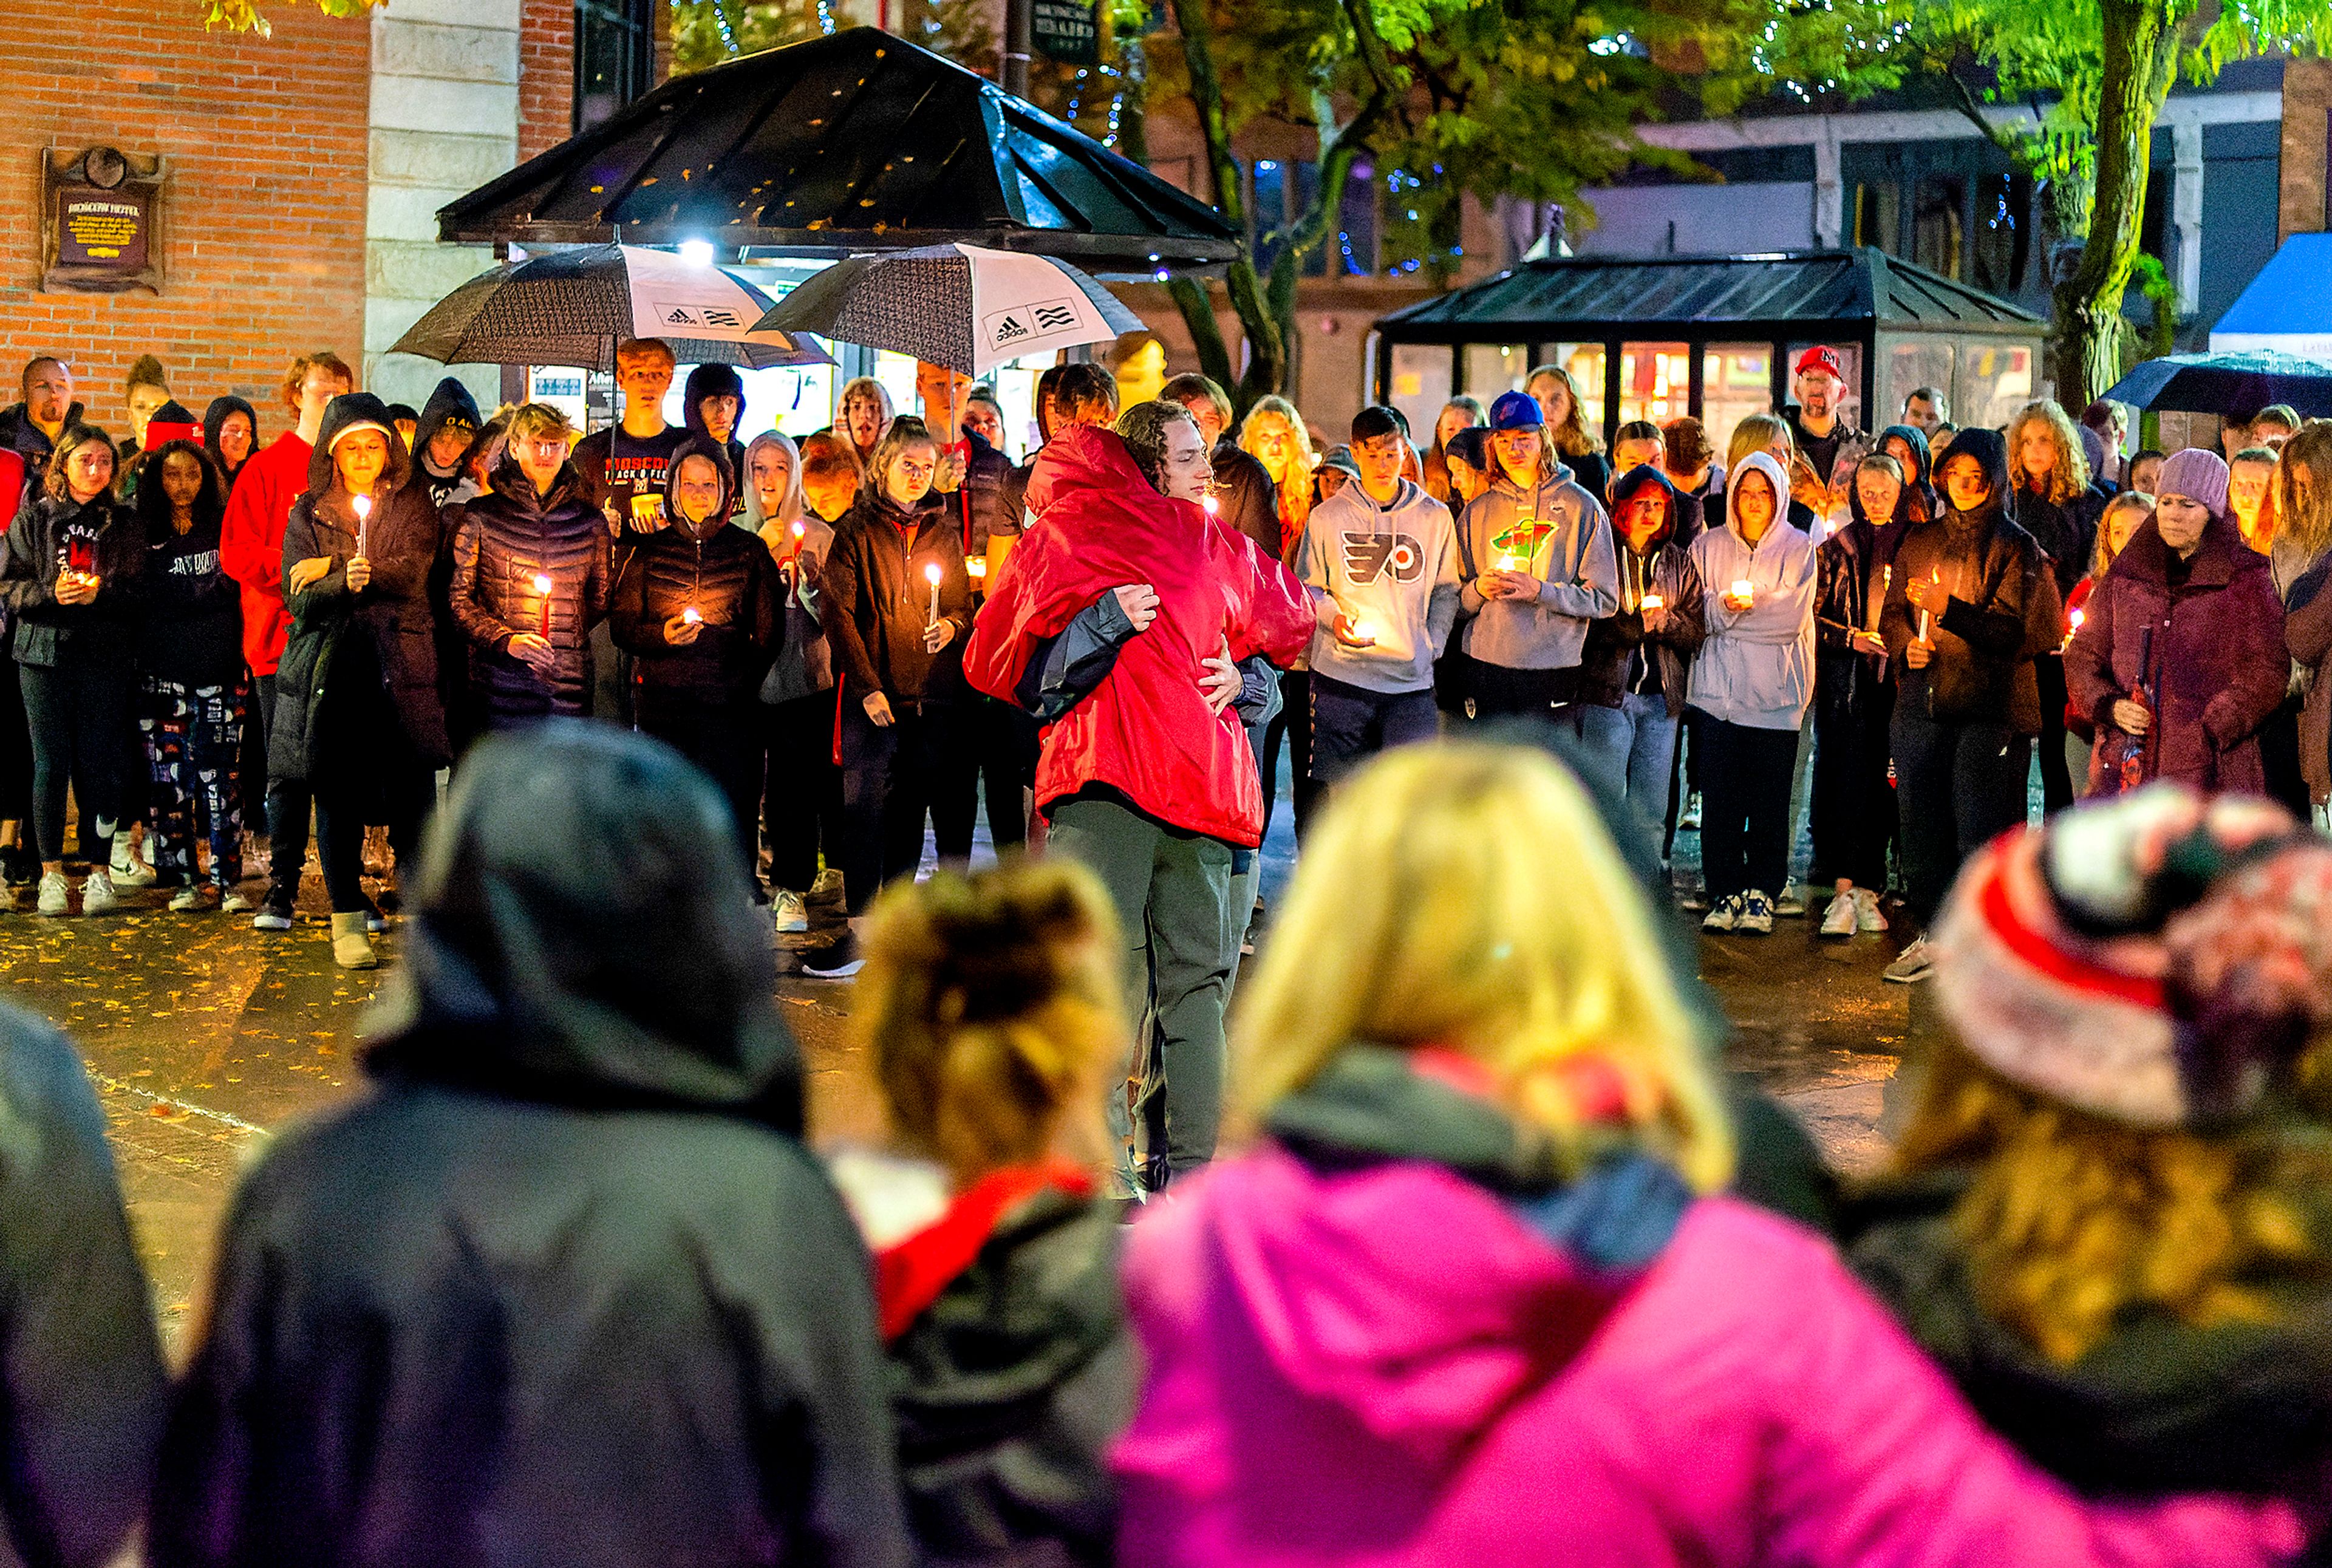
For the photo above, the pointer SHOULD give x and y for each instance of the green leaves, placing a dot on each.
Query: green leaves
(242, 17)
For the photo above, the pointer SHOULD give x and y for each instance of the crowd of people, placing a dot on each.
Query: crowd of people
(1466, 1249)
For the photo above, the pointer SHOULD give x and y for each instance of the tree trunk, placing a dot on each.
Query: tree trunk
(1266, 344)
(2140, 60)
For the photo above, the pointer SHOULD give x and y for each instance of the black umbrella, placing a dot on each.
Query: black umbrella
(2237, 385)
(573, 307)
(956, 305)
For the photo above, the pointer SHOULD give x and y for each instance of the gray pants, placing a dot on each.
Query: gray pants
(1172, 895)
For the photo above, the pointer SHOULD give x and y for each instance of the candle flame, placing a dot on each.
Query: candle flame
(691, 613)
(801, 529)
(542, 582)
(1210, 503)
(2079, 616)
(931, 574)
(363, 503)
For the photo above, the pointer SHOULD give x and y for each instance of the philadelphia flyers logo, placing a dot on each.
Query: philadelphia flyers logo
(1369, 556)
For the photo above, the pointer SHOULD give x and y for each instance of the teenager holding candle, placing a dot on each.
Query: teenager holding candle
(531, 577)
(1750, 689)
(801, 808)
(1545, 568)
(1971, 596)
(897, 666)
(1853, 806)
(696, 606)
(1382, 561)
(2181, 657)
(361, 721)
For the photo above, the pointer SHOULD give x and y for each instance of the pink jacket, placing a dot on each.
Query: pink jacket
(1385, 1367)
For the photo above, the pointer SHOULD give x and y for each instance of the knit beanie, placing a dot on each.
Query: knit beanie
(2158, 959)
(2196, 474)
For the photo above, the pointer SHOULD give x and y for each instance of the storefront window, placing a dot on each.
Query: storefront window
(1906, 364)
(1654, 381)
(1850, 359)
(1737, 381)
(1994, 382)
(1937, 230)
(1491, 368)
(1420, 379)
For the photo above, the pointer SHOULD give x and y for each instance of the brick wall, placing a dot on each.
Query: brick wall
(546, 75)
(263, 215)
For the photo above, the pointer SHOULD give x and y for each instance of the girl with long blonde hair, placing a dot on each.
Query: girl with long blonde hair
(1273, 434)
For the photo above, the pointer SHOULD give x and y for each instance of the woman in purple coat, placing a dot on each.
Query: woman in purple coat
(2181, 657)
(1473, 1299)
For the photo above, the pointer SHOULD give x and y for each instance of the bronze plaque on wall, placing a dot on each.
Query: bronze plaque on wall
(98, 221)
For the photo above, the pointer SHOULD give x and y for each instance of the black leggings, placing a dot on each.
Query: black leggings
(77, 712)
(802, 799)
(724, 739)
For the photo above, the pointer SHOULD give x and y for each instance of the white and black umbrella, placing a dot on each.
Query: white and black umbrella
(958, 305)
(573, 307)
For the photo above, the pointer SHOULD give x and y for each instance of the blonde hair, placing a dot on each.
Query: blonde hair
(529, 419)
(1280, 407)
(2070, 477)
(2309, 527)
(2070, 1219)
(2101, 555)
(859, 387)
(991, 1003)
(1756, 433)
(1465, 895)
(1571, 438)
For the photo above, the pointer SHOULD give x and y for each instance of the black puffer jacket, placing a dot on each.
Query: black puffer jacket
(1999, 588)
(1009, 1389)
(726, 573)
(105, 533)
(392, 611)
(503, 541)
(877, 598)
(562, 1287)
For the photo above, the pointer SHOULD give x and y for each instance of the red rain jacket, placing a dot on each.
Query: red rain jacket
(1145, 731)
(250, 544)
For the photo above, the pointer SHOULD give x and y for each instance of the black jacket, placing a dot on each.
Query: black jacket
(1920, 500)
(213, 418)
(562, 1287)
(1852, 570)
(979, 506)
(877, 599)
(29, 441)
(501, 542)
(1608, 659)
(715, 381)
(1009, 1389)
(1999, 591)
(47, 531)
(392, 612)
(82, 1376)
(1247, 499)
(2065, 533)
(190, 621)
(725, 572)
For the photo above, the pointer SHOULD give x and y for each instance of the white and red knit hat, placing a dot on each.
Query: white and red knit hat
(2156, 959)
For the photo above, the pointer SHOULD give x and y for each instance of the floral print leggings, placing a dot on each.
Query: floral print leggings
(192, 741)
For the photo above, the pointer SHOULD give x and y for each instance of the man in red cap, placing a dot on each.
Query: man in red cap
(1820, 383)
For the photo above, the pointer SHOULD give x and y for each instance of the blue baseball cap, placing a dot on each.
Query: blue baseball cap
(1516, 411)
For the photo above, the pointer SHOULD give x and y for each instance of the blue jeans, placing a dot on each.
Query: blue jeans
(1652, 754)
(1351, 724)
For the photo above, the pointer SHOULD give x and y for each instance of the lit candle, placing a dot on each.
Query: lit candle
(931, 576)
(692, 615)
(1935, 576)
(1653, 602)
(543, 588)
(1510, 563)
(2079, 616)
(1741, 588)
(1363, 632)
(1210, 503)
(363, 504)
(977, 567)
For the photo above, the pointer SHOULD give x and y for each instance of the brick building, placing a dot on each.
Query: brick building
(301, 176)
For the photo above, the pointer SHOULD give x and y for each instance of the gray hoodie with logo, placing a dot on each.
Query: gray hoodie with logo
(1557, 532)
(1393, 570)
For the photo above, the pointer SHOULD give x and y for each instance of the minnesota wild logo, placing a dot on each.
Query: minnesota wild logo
(1521, 538)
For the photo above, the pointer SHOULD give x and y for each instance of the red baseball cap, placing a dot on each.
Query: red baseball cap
(1821, 358)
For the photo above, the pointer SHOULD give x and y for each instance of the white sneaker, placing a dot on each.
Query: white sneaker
(791, 912)
(1914, 965)
(234, 903)
(97, 895)
(188, 897)
(1868, 918)
(1756, 913)
(1792, 904)
(56, 894)
(128, 869)
(1837, 920)
(1725, 915)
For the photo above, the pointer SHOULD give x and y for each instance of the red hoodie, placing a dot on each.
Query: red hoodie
(1145, 730)
(250, 544)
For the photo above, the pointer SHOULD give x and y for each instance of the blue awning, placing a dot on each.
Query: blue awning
(2289, 306)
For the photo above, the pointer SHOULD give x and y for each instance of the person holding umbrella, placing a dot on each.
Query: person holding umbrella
(624, 466)
(1124, 621)
(2180, 655)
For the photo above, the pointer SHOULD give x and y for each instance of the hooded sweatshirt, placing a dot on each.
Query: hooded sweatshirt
(1756, 668)
(1620, 659)
(215, 420)
(190, 626)
(1920, 500)
(1394, 568)
(449, 401)
(1401, 1335)
(2003, 605)
(723, 573)
(562, 1285)
(1855, 567)
(1557, 532)
(715, 381)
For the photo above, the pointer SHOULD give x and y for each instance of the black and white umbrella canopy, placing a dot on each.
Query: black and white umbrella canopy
(963, 306)
(573, 307)
(2232, 385)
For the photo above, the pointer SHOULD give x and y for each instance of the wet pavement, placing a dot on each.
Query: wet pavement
(202, 1035)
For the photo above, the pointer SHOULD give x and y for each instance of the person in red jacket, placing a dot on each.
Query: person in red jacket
(1125, 619)
(251, 552)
